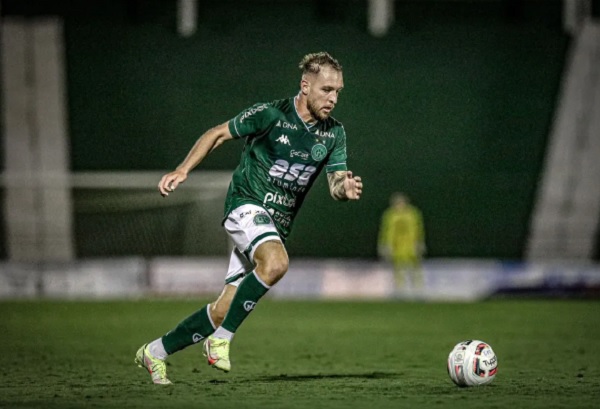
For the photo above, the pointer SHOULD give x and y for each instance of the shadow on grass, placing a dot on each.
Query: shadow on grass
(307, 377)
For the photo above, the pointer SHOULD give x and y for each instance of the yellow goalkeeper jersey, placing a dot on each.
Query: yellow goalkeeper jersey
(402, 231)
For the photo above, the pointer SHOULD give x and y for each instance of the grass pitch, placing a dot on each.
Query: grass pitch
(302, 355)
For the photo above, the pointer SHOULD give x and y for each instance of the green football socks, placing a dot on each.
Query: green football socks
(250, 290)
(189, 331)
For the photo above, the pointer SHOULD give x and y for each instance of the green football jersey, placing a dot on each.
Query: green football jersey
(281, 159)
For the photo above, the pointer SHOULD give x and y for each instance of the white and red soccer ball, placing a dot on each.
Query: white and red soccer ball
(472, 363)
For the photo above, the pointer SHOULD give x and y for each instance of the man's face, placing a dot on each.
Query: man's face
(322, 91)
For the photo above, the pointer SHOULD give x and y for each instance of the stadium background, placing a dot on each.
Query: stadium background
(456, 105)
(442, 115)
(453, 106)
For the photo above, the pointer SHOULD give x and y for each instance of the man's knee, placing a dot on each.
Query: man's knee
(271, 261)
(275, 269)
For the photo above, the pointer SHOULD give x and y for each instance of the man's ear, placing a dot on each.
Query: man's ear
(304, 85)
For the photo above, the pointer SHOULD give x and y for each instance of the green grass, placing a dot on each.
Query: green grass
(302, 354)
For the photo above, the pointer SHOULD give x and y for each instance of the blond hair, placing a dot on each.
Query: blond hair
(312, 63)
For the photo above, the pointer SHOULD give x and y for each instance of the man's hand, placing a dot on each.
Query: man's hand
(352, 186)
(170, 181)
(344, 186)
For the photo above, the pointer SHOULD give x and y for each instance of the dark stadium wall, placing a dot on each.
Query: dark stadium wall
(452, 107)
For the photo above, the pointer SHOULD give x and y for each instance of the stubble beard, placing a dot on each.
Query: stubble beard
(315, 113)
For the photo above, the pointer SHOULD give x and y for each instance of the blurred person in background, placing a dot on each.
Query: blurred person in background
(288, 142)
(401, 242)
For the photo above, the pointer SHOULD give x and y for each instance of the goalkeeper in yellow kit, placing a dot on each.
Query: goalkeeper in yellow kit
(402, 241)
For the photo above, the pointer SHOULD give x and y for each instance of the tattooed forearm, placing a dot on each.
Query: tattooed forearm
(336, 185)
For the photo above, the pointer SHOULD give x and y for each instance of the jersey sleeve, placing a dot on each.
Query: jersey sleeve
(337, 159)
(251, 121)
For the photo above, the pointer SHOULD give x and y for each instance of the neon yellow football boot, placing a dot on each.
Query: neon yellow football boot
(155, 367)
(216, 350)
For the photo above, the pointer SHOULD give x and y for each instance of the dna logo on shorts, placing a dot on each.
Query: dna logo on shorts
(197, 337)
(249, 305)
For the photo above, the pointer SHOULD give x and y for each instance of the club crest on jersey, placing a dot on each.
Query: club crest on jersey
(318, 152)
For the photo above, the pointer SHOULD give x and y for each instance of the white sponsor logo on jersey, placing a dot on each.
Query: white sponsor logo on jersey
(286, 125)
(283, 139)
(290, 176)
(252, 111)
(324, 134)
(300, 154)
(279, 199)
(197, 337)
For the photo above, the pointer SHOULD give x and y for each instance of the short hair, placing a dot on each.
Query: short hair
(312, 63)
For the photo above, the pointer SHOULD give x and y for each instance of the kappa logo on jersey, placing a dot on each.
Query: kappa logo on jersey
(286, 125)
(283, 139)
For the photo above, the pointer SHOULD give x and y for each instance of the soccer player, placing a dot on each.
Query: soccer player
(288, 142)
(402, 241)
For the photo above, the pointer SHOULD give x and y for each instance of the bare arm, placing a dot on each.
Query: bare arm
(344, 186)
(207, 143)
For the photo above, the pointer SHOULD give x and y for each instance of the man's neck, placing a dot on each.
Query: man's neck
(302, 110)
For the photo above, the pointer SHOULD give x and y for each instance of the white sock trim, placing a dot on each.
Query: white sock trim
(223, 333)
(268, 287)
(209, 317)
(157, 349)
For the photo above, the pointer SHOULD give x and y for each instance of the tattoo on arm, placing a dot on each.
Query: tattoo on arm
(336, 185)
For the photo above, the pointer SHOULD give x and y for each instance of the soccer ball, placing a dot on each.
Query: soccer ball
(472, 363)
